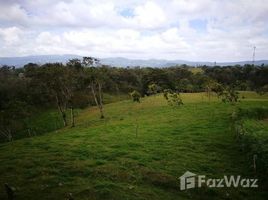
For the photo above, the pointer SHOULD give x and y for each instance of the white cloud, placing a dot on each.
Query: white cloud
(149, 15)
(13, 13)
(10, 35)
(146, 29)
(47, 38)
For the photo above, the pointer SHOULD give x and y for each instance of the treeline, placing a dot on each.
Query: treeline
(80, 83)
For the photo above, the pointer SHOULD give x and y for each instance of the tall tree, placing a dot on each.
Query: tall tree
(53, 80)
(95, 79)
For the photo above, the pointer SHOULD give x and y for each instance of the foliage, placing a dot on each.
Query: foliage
(229, 94)
(80, 83)
(226, 93)
(153, 88)
(213, 86)
(10, 118)
(104, 159)
(247, 76)
(257, 113)
(184, 85)
(135, 96)
(173, 98)
(262, 90)
(249, 135)
(94, 81)
(166, 92)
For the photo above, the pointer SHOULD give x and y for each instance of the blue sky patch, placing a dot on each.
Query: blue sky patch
(127, 12)
(198, 24)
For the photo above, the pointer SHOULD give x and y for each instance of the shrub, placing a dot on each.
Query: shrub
(135, 96)
(173, 98)
(229, 95)
(166, 92)
(153, 89)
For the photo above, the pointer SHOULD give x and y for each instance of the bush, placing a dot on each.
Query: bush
(166, 92)
(253, 113)
(173, 98)
(153, 89)
(249, 141)
(229, 95)
(135, 96)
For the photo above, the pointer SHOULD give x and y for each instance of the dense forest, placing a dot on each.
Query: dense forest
(80, 83)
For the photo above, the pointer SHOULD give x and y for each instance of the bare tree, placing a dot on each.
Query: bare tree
(97, 97)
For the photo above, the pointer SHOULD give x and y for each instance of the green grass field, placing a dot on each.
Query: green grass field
(138, 151)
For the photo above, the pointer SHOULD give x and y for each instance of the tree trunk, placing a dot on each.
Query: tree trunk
(94, 94)
(100, 103)
(64, 119)
(63, 114)
(117, 92)
(208, 93)
(9, 134)
(29, 132)
(72, 116)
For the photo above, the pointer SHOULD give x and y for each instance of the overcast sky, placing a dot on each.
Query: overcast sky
(196, 30)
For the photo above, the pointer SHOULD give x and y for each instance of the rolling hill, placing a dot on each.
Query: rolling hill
(138, 151)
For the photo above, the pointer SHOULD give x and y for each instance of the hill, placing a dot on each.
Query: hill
(137, 152)
(115, 61)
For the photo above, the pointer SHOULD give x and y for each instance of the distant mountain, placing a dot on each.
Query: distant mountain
(39, 59)
(114, 61)
(124, 62)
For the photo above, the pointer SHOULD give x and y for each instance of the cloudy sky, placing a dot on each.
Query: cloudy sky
(196, 30)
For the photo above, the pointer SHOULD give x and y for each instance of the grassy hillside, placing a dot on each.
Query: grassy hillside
(47, 120)
(137, 152)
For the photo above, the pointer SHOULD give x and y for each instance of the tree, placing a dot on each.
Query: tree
(90, 62)
(166, 92)
(74, 74)
(52, 80)
(263, 89)
(94, 81)
(13, 102)
(153, 89)
(135, 96)
(173, 98)
(230, 95)
(213, 86)
(184, 85)
(154, 75)
(74, 64)
(10, 118)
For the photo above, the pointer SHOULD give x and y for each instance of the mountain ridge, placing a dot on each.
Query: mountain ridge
(116, 61)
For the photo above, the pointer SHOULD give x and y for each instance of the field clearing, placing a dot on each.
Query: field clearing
(196, 70)
(137, 152)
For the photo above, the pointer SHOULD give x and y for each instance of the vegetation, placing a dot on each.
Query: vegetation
(62, 138)
(153, 89)
(135, 96)
(173, 98)
(80, 83)
(103, 159)
(250, 126)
